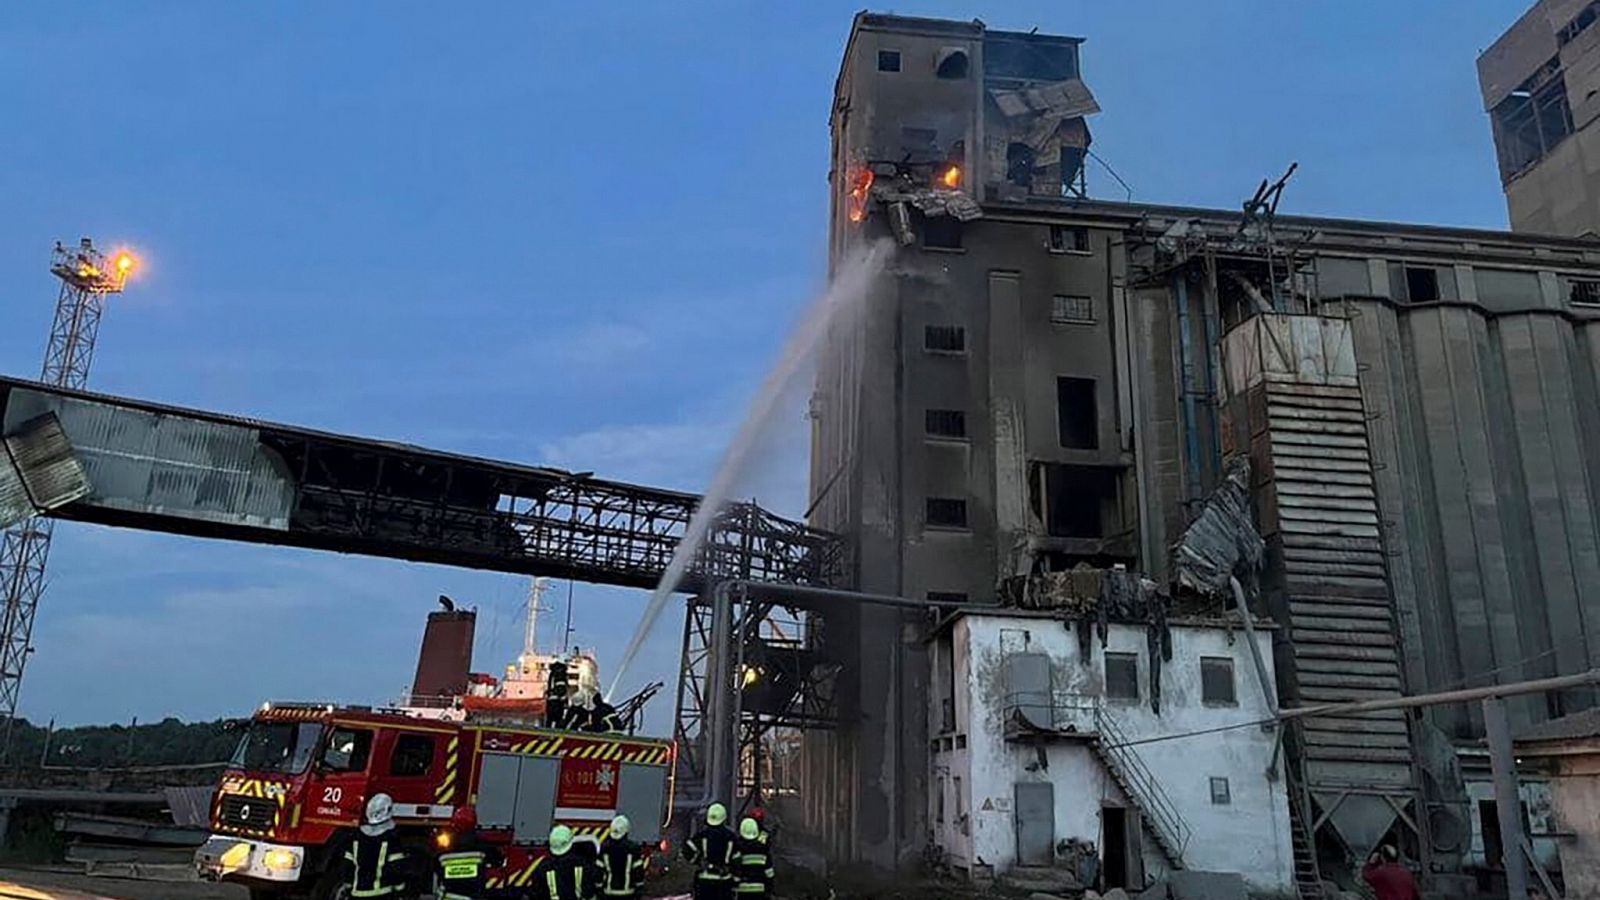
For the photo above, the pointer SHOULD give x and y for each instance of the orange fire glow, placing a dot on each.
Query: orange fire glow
(951, 177)
(126, 263)
(860, 190)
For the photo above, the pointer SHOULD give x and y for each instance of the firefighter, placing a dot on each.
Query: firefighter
(565, 874)
(603, 717)
(555, 695)
(463, 858)
(759, 813)
(711, 852)
(621, 864)
(379, 865)
(752, 866)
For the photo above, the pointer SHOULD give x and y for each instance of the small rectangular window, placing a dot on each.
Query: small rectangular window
(1219, 792)
(413, 755)
(944, 338)
(938, 814)
(888, 60)
(961, 742)
(1076, 415)
(947, 512)
(1122, 676)
(1422, 284)
(347, 750)
(1072, 309)
(1584, 292)
(941, 233)
(1216, 681)
(1069, 239)
(951, 423)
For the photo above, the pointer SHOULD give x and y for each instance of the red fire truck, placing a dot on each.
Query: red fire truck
(295, 790)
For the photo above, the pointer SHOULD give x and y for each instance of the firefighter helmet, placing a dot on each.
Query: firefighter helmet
(619, 827)
(380, 809)
(748, 829)
(759, 813)
(379, 815)
(716, 814)
(560, 840)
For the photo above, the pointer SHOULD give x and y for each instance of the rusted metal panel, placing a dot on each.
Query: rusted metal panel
(146, 461)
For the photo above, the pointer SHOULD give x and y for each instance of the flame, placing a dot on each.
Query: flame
(860, 190)
(126, 262)
(951, 177)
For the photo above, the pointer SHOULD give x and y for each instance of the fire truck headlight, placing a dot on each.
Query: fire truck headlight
(444, 839)
(235, 857)
(281, 860)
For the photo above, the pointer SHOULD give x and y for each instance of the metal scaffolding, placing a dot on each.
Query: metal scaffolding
(87, 278)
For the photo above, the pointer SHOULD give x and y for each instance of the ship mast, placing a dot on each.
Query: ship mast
(530, 634)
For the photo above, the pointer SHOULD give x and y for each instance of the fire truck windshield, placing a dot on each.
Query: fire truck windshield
(277, 747)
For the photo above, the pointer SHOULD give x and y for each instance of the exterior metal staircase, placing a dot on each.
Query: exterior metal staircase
(1158, 813)
(1307, 875)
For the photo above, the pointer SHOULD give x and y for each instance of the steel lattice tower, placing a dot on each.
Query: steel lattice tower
(87, 278)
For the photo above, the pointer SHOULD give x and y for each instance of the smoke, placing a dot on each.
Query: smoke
(845, 293)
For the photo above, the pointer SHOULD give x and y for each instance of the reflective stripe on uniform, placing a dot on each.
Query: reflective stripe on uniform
(750, 887)
(553, 885)
(753, 859)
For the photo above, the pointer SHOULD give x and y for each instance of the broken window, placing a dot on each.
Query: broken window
(1422, 284)
(1122, 676)
(1216, 681)
(946, 512)
(1071, 500)
(1077, 419)
(1019, 164)
(1220, 795)
(1576, 27)
(944, 338)
(1029, 57)
(1530, 121)
(952, 64)
(950, 423)
(888, 60)
(941, 232)
(1583, 292)
(1069, 239)
(1071, 309)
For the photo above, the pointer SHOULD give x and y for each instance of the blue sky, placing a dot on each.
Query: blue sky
(558, 233)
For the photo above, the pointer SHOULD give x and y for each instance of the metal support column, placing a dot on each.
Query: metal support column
(1507, 800)
(721, 723)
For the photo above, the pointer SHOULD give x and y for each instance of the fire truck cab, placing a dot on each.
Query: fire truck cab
(295, 789)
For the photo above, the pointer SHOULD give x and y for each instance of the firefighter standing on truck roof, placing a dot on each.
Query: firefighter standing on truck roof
(564, 874)
(621, 864)
(711, 852)
(752, 866)
(463, 858)
(379, 866)
(555, 695)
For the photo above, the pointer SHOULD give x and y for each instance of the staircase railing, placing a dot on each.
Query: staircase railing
(1160, 813)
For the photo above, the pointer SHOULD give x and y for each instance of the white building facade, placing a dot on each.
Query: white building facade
(1036, 743)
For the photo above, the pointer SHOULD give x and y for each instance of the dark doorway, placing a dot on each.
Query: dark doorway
(1113, 847)
(1076, 413)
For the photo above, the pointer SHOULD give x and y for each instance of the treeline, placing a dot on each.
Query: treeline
(170, 742)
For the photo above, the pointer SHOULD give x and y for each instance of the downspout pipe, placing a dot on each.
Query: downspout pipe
(1191, 425)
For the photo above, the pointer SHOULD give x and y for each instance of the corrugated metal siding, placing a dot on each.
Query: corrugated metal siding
(44, 458)
(143, 461)
(1322, 523)
(14, 503)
